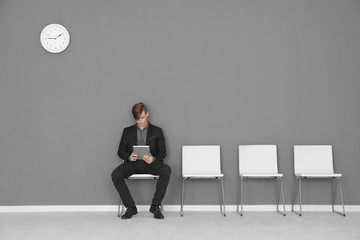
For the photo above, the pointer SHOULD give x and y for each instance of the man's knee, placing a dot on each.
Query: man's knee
(166, 170)
(117, 175)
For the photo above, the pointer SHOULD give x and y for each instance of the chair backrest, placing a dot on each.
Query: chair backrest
(201, 159)
(313, 159)
(261, 159)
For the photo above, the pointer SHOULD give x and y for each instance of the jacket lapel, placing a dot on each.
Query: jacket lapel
(134, 135)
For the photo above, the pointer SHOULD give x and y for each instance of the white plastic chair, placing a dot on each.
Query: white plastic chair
(315, 161)
(259, 161)
(137, 177)
(202, 162)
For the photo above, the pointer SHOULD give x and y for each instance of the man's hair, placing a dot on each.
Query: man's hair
(138, 109)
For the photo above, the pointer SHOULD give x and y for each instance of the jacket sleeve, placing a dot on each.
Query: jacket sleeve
(123, 146)
(160, 147)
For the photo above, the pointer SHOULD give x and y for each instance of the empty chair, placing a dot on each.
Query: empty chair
(259, 161)
(202, 162)
(136, 177)
(315, 161)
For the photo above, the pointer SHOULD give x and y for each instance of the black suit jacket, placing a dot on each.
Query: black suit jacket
(154, 138)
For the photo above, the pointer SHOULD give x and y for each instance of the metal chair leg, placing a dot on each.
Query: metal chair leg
(295, 197)
(238, 199)
(333, 186)
(182, 198)
(120, 208)
(283, 199)
(220, 196)
(282, 194)
(223, 197)
(241, 195)
(300, 197)
(278, 194)
(342, 199)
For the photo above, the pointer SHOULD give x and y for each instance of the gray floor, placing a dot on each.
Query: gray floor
(194, 225)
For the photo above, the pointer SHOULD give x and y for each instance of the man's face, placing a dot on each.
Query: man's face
(142, 121)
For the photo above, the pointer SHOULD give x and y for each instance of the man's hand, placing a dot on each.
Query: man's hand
(148, 159)
(133, 157)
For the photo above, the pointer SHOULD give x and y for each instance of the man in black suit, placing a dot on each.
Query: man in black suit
(142, 133)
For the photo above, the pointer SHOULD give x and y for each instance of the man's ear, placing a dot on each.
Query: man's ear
(147, 114)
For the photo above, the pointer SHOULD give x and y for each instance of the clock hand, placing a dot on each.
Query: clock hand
(59, 35)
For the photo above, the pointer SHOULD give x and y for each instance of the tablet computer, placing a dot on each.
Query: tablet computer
(141, 151)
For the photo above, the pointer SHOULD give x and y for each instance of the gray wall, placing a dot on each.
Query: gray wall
(223, 72)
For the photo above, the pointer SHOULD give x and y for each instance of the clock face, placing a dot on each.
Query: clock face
(55, 38)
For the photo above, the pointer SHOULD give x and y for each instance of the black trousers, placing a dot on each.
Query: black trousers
(129, 168)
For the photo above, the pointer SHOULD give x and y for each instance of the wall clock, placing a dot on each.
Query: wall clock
(55, 38)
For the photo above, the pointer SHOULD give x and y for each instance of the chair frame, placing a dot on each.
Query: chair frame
(121, 206)
(333, 198)
(222, 197)
(280, 192)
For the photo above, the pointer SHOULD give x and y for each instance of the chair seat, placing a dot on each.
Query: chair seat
(262, 175)
(143, 176)
(220, 175)
(320, 175)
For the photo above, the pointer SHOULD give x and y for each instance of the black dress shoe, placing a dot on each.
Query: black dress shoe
(156, 211)
(130, 211)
